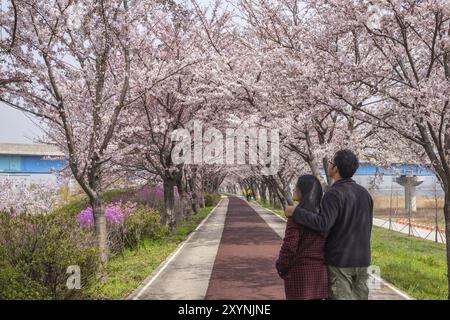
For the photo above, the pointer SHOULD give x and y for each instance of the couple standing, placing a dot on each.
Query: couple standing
(326, 248)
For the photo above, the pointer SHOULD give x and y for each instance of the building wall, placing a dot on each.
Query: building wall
(29, 164)
(39, 178)
(385, 185)
(385, 179)
(394, 169)
(30, 169)
(35, 169)
(381, 181)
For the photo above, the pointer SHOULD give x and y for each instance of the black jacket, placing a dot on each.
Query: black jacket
(346, 215)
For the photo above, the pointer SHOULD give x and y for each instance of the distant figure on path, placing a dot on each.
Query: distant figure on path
(346, 215)
(301, 261)
(248, 193)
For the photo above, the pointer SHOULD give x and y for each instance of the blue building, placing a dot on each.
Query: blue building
(30, 162)
(381, 180)
(367, 169)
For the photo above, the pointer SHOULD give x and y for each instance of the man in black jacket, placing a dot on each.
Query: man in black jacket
(346, 215)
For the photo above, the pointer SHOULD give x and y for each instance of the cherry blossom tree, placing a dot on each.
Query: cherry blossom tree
(8, 31)
(398, 51)
(113, 79)
(412, 47)
(370, 75)
(20, 198)
(308, 84)
(176, 96)
(78, 58)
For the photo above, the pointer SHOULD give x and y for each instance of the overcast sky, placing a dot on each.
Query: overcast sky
(17, 127)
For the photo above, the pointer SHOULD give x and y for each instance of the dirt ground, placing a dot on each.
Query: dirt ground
(429, 209)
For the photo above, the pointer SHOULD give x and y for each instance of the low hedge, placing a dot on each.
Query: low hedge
(35, 252)
(211, 199)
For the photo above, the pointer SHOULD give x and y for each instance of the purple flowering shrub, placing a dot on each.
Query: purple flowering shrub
(127, 223)
(132, 215)
(115, 213)
(152, 196)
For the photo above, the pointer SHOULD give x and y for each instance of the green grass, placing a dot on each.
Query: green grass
(415, 266)
(127, 271)
(280, 212)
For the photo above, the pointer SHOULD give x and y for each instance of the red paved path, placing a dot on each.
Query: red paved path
(245, 263)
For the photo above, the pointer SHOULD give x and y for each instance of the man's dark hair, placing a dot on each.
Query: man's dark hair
(346, 162)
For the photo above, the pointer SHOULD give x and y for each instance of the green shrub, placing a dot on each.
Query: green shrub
(116, 195)
(16, 285)
(72, 208)
(143, 223)
(211, 199)
(35, 251)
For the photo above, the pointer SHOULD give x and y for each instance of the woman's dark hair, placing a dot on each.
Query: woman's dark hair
(346, 162)
(311, 192)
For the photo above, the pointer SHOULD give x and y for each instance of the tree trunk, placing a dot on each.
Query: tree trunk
(181, 214)
(262, 192)
(271, 196)
(277, 198)
(447, 236)
(283, 191)
(186, 207)
(315, 170)
(169, 218)
(254, 191)
(288, 198)
(283, 200)
(202, 199)
(187, 201)
(183, 197)
(312, 160)
(202, 194)
(101, 233)
(329, 181)
(287, 194)
(194, 194)
(195, 208)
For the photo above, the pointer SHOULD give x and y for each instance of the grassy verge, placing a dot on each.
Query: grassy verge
(127, 271)
(280, 212)
(416, 266)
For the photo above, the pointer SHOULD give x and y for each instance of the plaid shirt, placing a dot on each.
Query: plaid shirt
(301, 263)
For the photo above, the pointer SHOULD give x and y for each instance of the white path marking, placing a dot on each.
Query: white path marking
(162, 268)
(382, 292)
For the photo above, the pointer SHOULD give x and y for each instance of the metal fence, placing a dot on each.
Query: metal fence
(424, 219)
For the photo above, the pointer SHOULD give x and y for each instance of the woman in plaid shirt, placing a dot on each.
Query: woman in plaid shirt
(301, 262)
